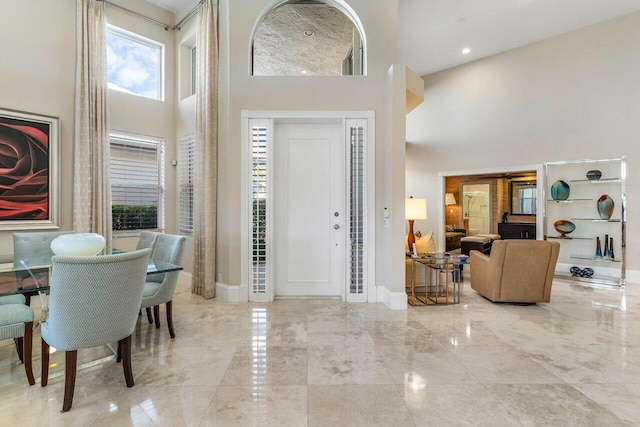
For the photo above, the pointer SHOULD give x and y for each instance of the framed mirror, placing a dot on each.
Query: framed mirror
(523, 197)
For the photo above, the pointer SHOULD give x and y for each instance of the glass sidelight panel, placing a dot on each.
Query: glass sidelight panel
(259, 209)
(358, 208)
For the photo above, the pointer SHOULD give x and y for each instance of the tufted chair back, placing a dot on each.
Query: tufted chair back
(35, 244)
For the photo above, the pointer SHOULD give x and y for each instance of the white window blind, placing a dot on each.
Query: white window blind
(137, 176)
(259, 193)
(186, 164)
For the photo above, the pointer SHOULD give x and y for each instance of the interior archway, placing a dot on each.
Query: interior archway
(308, 38)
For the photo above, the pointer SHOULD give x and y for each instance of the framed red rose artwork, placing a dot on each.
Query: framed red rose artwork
(28, 170)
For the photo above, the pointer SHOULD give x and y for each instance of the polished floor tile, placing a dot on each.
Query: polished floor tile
(574, 361)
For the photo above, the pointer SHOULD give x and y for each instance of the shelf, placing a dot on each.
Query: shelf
(603, 280)
(589, 225)
(570, 200)
(595, 220)
(597, 181)
(569, 238)
(592, 258)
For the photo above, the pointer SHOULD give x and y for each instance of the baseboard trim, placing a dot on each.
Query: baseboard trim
(232, 293)
(392, 300)
(632, 277)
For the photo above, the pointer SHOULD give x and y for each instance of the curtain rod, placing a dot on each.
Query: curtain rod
(162, 24)
(188, 16)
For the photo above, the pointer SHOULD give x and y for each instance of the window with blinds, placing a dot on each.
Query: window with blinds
(259, 271)
(137, 177)
(358, 209)
(186, 164)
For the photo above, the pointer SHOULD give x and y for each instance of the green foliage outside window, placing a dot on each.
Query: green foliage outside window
(133, 217)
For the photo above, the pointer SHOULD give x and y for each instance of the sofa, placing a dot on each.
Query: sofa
(518, 271)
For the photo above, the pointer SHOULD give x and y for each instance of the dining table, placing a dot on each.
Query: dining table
(29, 275)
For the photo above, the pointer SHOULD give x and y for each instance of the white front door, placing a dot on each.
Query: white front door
(309, 210)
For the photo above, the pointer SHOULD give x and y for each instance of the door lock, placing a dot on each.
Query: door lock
(337, 227)
(336, 214)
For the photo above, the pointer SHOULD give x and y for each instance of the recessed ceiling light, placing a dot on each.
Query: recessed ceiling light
(309, 33)
(466, 51)
(304, 71)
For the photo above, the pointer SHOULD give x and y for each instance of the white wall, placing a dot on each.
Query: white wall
(573, 96)
(241, 91)
(37, 74)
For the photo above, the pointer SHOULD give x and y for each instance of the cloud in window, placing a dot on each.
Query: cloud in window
(132, 66)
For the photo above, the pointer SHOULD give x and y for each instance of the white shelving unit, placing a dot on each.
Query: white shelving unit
(578, 248)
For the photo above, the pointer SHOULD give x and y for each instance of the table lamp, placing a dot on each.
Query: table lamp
(414, 209)
(449, 200)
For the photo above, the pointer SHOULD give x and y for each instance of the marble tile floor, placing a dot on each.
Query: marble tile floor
(573, 362)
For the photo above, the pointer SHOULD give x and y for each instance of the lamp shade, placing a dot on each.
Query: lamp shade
(415, 208)
(449, 199)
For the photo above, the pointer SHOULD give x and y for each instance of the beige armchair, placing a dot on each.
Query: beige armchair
(517, 271)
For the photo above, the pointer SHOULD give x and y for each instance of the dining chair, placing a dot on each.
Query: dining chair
(146, 240)
(33, 246)
(160, 288)
(16, 321)
(93, 301)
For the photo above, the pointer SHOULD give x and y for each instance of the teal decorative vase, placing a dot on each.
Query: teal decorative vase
(598, 248)
(564, 227)
(560, 190)
(610, 254)
(605, 207)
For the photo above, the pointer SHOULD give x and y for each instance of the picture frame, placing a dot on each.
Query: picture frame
(29, 173)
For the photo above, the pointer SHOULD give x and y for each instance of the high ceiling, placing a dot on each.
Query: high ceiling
(432, 33)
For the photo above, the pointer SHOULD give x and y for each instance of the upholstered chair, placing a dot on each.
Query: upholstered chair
(12, 299)
(519, 271)
(33, 246)
(146, 240)
(16, 322)
(160, 288)
(93, 301)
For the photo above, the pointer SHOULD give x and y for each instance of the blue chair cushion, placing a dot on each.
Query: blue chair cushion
(150, 289)
(12, 320)
(12, 299)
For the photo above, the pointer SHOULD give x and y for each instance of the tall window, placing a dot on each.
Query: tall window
(134, 64)
(137, 177)
(186, 164)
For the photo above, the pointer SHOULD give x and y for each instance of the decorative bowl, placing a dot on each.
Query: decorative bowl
(575, 271)
(564, 227)
(587, 272)
(78, 244)
(594, 175)
(560, 190)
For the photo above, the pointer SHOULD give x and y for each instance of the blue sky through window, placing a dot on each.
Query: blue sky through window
(133, 64)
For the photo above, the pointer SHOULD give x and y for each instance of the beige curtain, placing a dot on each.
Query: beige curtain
(91, 187)
(206, 167)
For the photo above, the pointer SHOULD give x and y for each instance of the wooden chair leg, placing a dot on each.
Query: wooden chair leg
(28, 344)
(170, 319)
(27, 299)
(19, 348)
(156, 315)
(119, 354)
(125, 344)
(149, 317)
(44, 366)
(70, 364)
